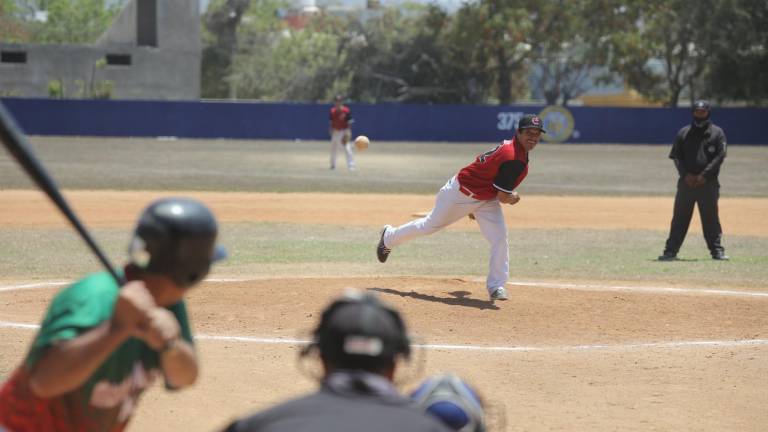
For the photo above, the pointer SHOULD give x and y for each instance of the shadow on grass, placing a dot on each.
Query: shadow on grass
(458, 298)
(678, 260)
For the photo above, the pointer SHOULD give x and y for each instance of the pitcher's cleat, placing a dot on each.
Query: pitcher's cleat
(499, 293)
(382, 252)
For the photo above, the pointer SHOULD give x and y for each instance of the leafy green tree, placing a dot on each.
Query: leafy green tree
(11, 25)
(500, 31)
(567, 48)
(220, 25)
(412, 65)
(739, 61)
(665, 51)
(276, 62)
(300, 66)
(72, 21)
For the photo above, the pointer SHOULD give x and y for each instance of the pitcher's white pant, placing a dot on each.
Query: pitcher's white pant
(336, 138)
(450, 206)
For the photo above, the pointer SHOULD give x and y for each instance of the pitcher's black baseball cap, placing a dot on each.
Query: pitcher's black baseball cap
(531, 121)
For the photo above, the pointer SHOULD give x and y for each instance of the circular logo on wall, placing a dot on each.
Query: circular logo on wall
(558, 122)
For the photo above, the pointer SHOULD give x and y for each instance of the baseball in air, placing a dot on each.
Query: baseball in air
(362, 142)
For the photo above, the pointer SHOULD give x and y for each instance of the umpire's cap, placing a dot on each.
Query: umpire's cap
(531, 121)
(359, 332)
(176, 237)
(701, 104)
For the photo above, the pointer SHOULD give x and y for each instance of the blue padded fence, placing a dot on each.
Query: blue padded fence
(384, 122)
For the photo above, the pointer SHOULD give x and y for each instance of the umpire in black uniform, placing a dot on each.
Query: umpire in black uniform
(359, 340)
(698, 152)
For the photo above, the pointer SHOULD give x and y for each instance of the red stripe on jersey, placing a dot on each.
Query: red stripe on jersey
(478, 177)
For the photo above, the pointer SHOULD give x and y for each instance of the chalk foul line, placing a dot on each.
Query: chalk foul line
(534, 284)
(446, 347)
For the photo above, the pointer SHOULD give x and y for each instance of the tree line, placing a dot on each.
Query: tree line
(486, 52)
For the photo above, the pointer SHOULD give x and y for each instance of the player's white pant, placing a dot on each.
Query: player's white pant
(450, 206)
(336, 142)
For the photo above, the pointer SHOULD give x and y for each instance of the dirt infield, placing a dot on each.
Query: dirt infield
(25, 208)
(555, 357)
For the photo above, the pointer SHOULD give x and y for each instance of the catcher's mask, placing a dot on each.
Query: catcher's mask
(359, 332)
(452, 401)
(176, 237)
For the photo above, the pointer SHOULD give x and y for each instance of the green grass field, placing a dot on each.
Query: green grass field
(388, 167)
(272, 249)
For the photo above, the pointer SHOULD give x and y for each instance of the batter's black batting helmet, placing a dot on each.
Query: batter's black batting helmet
(176, 237)
(359, 332)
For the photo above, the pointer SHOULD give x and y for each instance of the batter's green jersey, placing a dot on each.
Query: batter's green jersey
(107, 399)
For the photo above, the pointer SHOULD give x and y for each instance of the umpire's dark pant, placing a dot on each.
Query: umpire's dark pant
(706, 196)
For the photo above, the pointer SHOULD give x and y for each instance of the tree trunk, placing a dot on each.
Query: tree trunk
(503, 79)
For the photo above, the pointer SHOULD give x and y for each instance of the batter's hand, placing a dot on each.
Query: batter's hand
(161, 329)
(132, 307)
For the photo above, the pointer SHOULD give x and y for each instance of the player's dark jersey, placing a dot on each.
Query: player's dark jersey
(342, 410)
(500, 169)
(699, 150)
(340, 118)
(107, 399)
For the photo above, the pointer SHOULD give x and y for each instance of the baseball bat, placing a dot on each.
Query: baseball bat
(16, 143)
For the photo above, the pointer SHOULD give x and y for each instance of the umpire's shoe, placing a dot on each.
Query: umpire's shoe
(382, 252)
(667, 256)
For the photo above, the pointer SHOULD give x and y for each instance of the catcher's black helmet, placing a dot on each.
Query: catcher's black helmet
(176, 237)
(359, 332)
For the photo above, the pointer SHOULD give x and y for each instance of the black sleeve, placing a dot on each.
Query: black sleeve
(676, 154)
(715, 163)
(508, 174)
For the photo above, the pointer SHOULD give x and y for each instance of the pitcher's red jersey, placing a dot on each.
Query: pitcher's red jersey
(500, 169)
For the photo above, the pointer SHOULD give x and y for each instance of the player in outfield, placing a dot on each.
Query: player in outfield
(340, 130)
(101, 345)
(478, 189)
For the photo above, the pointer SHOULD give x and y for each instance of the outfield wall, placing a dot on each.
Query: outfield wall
(382, 122)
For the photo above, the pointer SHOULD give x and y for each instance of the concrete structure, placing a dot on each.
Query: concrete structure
(152, 51)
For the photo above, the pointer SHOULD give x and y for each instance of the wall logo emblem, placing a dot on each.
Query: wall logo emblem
(558, 122)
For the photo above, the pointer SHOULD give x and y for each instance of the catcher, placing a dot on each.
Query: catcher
(340, 130)
(360, 342)
(101, 345)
